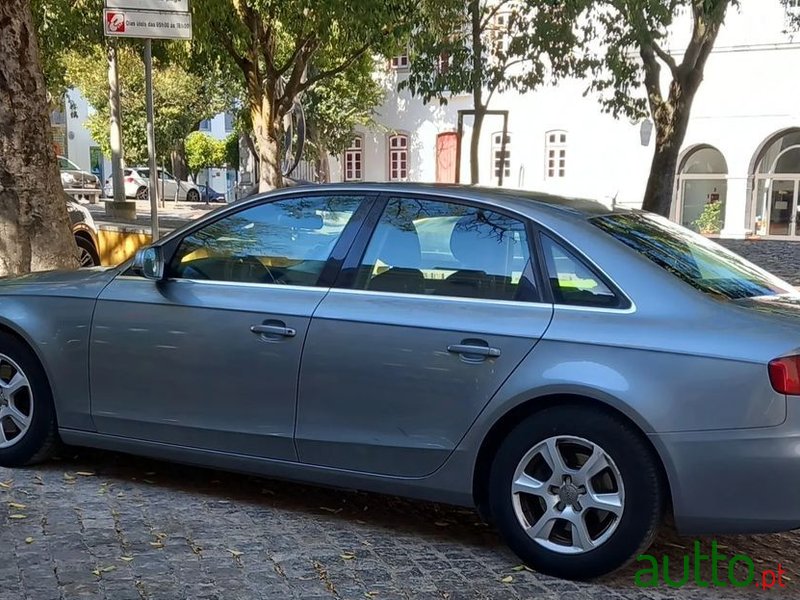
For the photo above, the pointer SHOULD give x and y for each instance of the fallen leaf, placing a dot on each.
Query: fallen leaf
(17, 517)
(235, 553)
(507, 579)
(331, 510)
(6, 484)
(347, 556)
(68, 477)
(108, 569)
(126, 558)
(16, 505)
(96, 572)
(28, 540)
(148, 481)
(85, 473)
(442, 524)
(156, 544)
(37, 480)
(371, 594)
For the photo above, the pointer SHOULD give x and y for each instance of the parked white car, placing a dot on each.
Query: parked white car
(137, 183)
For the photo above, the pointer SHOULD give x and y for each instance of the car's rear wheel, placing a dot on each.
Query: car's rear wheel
(141, 193)
(193, 196)
(575, 492)
(87, 253)
(28, 431)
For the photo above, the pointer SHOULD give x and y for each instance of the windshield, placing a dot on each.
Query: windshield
(691, 257)
(66, 164)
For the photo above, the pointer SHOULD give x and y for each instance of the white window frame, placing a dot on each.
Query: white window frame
(397, 154)
(555, 154)
(497, 145)
(400, 62)
(353, 163)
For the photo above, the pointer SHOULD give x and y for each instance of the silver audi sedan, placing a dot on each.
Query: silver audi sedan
(571, 371)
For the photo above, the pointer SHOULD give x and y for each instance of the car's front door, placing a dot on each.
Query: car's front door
(209, 357)
(400, 360)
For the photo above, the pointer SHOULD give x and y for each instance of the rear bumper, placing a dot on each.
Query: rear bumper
(735, 481)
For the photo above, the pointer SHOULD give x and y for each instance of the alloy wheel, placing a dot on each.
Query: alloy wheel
(568, 495)
(16, 402)
(85, 257)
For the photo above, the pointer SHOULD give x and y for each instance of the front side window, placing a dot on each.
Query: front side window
(572, 282)
(285, 242)
(691, 257)
(446, 249)
(66, 164)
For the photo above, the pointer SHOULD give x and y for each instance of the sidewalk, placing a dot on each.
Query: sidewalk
(171, 216)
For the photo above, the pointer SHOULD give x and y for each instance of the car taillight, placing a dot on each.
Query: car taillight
(129, 180)
(784, 374)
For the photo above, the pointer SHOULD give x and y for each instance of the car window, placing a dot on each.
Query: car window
(143, 173)
(572, 282)
(692, 258)
(447, 249)
(284, 242)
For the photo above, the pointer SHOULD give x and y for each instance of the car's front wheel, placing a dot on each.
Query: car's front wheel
(87, 253)
(28, 432)
(193, 196)
(142, 193)
(575, 492)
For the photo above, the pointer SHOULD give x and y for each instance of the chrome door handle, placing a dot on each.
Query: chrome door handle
(275, 330)
(469, 349)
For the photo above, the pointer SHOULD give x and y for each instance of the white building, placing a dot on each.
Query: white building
(742, 146)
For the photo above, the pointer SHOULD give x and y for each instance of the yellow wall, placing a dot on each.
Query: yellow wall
(117, 246)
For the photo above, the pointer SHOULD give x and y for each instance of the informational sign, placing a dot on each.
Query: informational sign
(154, 25)
(162, 5)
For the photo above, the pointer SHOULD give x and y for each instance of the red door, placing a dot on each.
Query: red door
(446, 148)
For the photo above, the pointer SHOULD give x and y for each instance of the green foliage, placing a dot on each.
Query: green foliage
(232, 150)
(62, 26)
(204, 151)
(337, 105)
(490, 46)
(181, 100)
(282, 50)
(711, 219)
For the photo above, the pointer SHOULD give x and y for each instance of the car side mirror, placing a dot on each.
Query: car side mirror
(149, 262)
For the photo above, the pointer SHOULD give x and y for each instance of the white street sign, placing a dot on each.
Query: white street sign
(147, 24)
(163, 5)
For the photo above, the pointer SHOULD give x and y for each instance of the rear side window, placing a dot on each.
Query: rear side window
(572, 282)
(438, 248)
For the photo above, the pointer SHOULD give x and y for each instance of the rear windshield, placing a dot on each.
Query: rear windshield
(698, 261)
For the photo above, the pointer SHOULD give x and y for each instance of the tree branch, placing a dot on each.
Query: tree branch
(665, 56)
(493, 13)
(242, 62)
(297, 50)
(341, 67)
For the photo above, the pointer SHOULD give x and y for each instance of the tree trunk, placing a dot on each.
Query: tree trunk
(671, 122)
(474, 146)
(34, 227)
(178, 161)
(266, 132)
(476, 15)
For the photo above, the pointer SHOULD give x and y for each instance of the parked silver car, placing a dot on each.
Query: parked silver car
(85, 231)
(137, 185)
(573, 372)
(75, 178)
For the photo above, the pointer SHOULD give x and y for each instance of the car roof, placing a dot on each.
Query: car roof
(525, 201)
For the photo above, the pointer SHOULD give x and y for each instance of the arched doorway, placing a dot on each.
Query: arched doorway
(777, 185)
(702, 189)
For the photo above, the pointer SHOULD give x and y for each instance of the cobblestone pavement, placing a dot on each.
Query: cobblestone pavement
(103, 525)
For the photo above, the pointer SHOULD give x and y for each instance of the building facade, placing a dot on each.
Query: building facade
(739, 173)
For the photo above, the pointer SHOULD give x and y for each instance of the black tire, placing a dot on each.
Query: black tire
(41, 440)
(89, 256)
(193, 196)
(142, 193)
(638, 467)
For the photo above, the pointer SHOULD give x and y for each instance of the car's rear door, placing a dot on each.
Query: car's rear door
(209, 358)
(436, 306)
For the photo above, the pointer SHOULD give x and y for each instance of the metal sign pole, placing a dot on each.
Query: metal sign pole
(151, 136)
